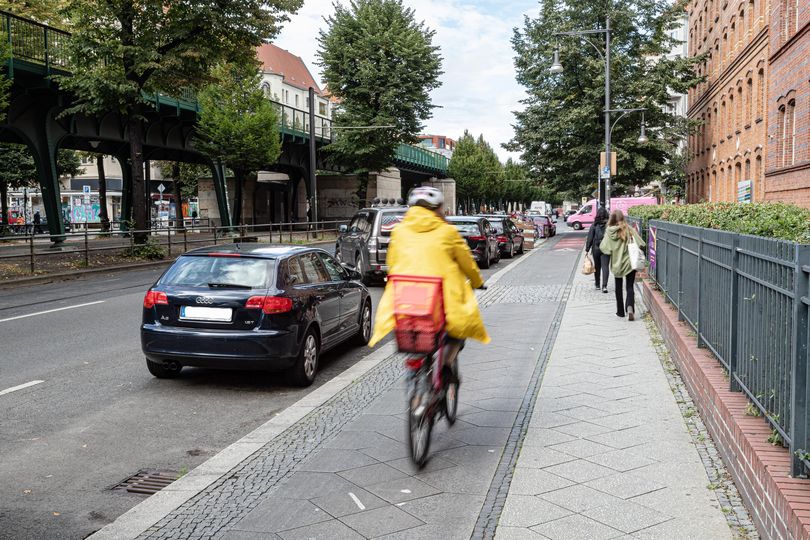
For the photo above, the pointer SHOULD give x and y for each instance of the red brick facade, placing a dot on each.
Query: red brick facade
(779, 504)
(788, 165)
(730, 107)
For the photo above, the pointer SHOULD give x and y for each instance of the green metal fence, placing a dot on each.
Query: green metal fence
(746, 298)
(34, 45)
(422, 157)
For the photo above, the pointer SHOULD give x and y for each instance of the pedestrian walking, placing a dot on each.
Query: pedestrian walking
(37, 223)
(601, 261)
(619, 234)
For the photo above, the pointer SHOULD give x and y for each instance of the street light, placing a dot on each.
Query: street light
(642, 139)
(556, 67)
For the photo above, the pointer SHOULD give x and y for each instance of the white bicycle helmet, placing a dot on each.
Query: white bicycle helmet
(426, 196)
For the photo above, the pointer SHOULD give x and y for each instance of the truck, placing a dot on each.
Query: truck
(540, 207)
(587, 214)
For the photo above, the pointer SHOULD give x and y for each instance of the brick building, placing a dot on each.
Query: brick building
(787, 176)
(727, 148)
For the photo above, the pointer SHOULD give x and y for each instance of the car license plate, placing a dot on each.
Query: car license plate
(196, 313)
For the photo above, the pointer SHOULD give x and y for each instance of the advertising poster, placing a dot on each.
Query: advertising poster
(652, 234)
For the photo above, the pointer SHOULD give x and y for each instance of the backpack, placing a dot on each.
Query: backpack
(598, 234)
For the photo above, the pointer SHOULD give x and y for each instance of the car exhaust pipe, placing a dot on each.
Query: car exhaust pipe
(174, 366)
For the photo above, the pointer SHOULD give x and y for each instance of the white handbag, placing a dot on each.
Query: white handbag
(638, 261)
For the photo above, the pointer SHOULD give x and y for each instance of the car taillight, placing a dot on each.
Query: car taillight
(153, 298)
(502, 239)
(270, 304)
(414, 364)
(476, 238)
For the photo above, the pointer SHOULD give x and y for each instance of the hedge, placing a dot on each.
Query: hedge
(771, 220)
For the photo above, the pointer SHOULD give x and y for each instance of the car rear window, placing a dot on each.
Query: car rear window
(466, 227)
(389, 220)
(202, 271)
(497, 225)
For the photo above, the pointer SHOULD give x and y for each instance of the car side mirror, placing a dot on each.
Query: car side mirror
(343, 228)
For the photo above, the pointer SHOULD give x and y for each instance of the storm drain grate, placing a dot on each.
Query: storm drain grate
(147, 481)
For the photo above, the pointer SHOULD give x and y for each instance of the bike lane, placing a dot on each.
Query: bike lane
(340, 468)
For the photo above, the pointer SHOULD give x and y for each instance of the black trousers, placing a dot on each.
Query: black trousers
(621, 302)
(601, 263)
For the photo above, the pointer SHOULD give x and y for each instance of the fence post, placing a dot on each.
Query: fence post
(798, 368)
(169, 240)
(699, 286)
(680, 275)
(734, 307)
(31, 249)
(86, 249)
(185, 241)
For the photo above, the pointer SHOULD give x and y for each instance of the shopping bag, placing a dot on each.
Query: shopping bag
(587, 265)
(638, 261)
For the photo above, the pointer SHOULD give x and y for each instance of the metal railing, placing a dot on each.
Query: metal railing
(422, 157)
(746, 298)
(295, 122)
(34, 43)
(27, 255)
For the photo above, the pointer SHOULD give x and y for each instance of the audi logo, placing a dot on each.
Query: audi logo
(204, 300)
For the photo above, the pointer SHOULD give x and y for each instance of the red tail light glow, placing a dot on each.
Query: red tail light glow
(154, 298)
(502, 239)
(414, 364)
(476, 238)
(270, 304)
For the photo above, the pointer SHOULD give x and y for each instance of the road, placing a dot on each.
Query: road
(91, 415)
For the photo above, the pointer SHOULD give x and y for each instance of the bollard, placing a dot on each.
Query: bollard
(31, 246)
(86, 248)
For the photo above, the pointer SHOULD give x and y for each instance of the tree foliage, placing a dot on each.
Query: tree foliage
(123, 51)
(43, 11)
(560, 132)
(238, 124)
(382, 65)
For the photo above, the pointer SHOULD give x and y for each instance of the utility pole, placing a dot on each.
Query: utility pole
(313, 163)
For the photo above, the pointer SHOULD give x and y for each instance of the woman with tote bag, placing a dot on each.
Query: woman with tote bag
(618, 238)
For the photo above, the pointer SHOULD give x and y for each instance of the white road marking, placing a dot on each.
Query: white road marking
(360, 505)
(19, 387)
(51, 311)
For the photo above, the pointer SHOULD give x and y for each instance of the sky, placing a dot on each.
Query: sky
(479, 91)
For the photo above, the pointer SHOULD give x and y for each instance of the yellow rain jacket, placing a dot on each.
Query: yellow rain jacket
(426, 245)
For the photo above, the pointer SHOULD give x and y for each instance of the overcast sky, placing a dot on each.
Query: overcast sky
(479, 91)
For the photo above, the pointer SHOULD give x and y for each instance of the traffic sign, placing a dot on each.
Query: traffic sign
(161, 188)
(605, 173)
(86, 189)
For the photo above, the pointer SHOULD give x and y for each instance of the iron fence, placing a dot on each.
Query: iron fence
(746, 299)
(32, 254)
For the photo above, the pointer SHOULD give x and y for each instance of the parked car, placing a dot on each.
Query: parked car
(545, 225)
(480, 237)
(510, 238)
(363, 243)
(254, 307)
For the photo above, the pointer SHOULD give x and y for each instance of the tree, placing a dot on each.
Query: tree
(18, 170)
(238, 125)
(561, 130)
(477, 172)
(43, 11)
(122, 52)
(382, 65)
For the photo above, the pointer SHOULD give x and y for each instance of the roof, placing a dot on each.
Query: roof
(250, 249)
(292, 68)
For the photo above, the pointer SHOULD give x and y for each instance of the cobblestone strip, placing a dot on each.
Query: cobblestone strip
(719, 478)
(499, 487)
(234, 495)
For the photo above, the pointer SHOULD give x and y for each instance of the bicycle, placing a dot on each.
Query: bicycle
(432, 386)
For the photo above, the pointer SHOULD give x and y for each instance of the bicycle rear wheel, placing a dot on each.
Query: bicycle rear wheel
(419, 430)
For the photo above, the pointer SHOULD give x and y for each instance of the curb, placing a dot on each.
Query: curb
(139, 518)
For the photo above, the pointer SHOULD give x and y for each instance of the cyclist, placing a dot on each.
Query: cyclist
(424, 244)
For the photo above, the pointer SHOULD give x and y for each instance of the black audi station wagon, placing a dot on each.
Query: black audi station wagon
(258, 307)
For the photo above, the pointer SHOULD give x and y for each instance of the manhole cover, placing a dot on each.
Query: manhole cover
(147, 481)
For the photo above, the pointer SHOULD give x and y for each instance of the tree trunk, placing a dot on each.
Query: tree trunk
(102, 194)
(362, 189)
(238, 178)
(178, 197)
(4, 204)
(138, 188)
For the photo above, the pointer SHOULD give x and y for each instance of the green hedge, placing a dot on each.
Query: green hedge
(771, 220)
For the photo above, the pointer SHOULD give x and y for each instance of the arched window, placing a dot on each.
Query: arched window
(747, 169)
(707, 141)
(716, 126)
(738, 121)
(732, 35)
(780, 137)
(731, 124)
(790, 133)
(749, 99)
(758, 170)
(723, 120)
(741, 24)
(751, 16)
(760, 92)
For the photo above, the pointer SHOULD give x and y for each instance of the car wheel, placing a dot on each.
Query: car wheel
(577, 226)
(306, 367)
(364, 333)
(520, 250)
(358, 265)
(164, 371)
(485, 262)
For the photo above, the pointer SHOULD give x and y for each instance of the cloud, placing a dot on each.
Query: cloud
(479, 90)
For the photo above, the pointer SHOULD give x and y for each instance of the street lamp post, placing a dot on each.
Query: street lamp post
(556, 67)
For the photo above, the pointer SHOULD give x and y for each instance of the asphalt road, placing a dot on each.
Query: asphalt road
(97, 416)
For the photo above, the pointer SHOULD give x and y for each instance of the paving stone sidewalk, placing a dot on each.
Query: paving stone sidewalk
(607, 453)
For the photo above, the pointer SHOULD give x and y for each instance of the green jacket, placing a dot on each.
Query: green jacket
(617, 249)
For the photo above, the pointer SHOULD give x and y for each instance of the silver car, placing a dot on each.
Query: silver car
(363, 243)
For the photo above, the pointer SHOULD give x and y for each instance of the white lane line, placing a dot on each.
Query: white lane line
(51, 311)
(19, 387)
(360, 505)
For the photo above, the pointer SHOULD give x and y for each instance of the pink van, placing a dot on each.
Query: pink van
(586, 215)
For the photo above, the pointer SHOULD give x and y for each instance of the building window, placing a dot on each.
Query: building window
(751, 16)
(780, 137)
(747, 169)
(758, 169)
(760, 91)
(749, 98)
(731, 125)
(322, 109)
(790, 134)
(296, 100)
